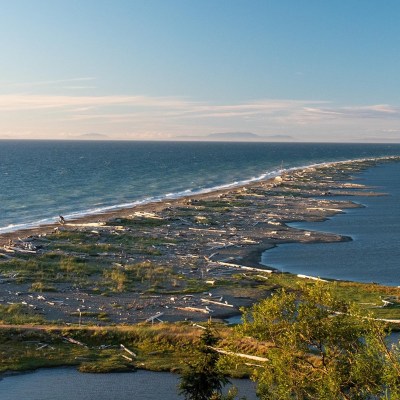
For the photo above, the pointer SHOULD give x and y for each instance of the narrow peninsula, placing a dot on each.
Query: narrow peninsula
(107, 280)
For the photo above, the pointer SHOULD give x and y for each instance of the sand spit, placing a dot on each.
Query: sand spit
(189, 258)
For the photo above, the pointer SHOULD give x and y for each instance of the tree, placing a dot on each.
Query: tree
(202, 379)
(321, 348)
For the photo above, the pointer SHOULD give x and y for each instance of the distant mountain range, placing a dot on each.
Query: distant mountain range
(90, 136)
(222, 136)
(237, 136)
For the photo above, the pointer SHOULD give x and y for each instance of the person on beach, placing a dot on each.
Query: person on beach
(61, 220)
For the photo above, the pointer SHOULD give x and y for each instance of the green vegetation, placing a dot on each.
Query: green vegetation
(368, 296)
(319, 347)
(138, 222)
(19, 314)
(41, 287)
(47, 269)
(203, 379)
(159, 347)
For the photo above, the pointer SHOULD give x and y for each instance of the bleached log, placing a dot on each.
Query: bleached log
(128, 351)
(231, 353)
(199, 326)
(153, 317)
(193, 309)
(208, 230)
(312, 278)
(268, 271)
(253, 365)
(146, 215)
(74, 341)
(219, 303)
(88, 224)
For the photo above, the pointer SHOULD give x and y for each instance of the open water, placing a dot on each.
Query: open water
(41, 179)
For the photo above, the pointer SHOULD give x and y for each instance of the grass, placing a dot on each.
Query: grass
(106, 361)
(162, 347)
(46, 269)
(139, 276)
(91, 244)
(367, 296)
(138, 222)
(42, 287)
(19, 314)
(159, 347)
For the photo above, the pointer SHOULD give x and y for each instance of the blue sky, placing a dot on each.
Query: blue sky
(316, 70)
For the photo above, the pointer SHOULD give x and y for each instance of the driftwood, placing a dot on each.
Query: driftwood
(311, 277)
(231, 353)
(199, 326)
(268, 271)
(156, 316)
(44, 346)
(73, 341)
(219, 303)
(128, 351)
(254, 365)
(208, 230)
(194, 309)
(146, 215)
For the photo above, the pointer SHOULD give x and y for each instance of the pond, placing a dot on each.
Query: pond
(69, 384)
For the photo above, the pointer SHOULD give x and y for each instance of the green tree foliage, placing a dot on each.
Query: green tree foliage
(202, 379)
(321, 348)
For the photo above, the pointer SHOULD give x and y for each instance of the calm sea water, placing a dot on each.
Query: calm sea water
(68, 384)
(41, 179)
(374, 253)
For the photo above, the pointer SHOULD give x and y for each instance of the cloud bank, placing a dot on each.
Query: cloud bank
(152, 117)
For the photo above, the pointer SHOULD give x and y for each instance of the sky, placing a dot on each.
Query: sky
(310, 70)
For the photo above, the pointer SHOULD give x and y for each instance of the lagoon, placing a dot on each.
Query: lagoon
(373, 254)
(68, 383)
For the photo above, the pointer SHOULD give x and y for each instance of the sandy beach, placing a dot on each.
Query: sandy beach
(188, 258)
(160, 205)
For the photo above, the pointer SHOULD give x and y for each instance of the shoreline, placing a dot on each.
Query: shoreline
(201, 249)
(182, 263)
(156, 205)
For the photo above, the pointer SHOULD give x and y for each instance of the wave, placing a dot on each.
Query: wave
(180, 194)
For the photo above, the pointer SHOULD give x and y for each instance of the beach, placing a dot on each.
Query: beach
(188, 258)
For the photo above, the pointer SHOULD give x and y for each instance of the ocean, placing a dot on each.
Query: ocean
(40, 180)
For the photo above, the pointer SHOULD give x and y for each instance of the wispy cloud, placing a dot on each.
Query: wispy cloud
(169, 115)
(175, 107)
(21, 102)
(372, 111)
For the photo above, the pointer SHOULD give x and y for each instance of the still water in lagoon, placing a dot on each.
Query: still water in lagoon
(68, 383)
(373, 254)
